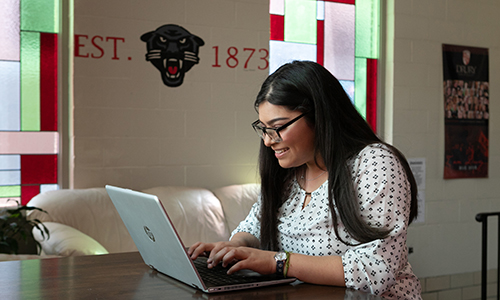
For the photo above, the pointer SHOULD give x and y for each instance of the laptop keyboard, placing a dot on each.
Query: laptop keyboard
(218, 276)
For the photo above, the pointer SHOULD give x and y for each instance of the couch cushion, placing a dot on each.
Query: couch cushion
(237, 200)
(196, 213)
(87, 210)
(67, 241)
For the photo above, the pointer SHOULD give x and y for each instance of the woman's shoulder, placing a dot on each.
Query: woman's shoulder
(376, 149)
(373, 153)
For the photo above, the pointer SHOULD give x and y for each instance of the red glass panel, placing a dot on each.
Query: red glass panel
(371, 93)
(28, 192)
(48, 82)
(277, 28)
(320, 44)
(38, 169)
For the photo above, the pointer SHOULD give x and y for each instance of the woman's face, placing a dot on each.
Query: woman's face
(297, 145)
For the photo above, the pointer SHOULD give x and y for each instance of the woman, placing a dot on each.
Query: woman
(335, 201)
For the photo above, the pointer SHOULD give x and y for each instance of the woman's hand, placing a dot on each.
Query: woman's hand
(208, 249)
(257, 260)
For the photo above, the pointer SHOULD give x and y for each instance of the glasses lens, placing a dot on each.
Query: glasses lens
(260, 131)
(263, 132)
(273, 135)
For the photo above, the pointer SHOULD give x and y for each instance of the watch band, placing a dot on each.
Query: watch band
(280, 267)
(282, 262)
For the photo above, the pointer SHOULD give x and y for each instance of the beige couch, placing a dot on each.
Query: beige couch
(85, 222)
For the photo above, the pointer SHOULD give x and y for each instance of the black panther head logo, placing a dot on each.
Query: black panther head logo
(173, 51)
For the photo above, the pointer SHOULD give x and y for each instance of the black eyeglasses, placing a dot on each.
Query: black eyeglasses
(273, 133)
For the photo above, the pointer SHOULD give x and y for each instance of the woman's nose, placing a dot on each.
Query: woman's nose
(268, 141)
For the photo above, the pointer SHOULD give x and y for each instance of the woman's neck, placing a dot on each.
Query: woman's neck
(311, 178)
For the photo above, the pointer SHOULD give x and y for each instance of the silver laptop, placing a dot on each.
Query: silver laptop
(162, 249)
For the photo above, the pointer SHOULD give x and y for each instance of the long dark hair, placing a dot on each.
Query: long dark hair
(340, 134)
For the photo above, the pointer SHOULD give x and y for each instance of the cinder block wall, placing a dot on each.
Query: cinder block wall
(448, 243)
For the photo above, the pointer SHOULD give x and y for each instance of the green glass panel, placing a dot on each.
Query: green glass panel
(360, 86)
(367, 28)
(30, 81)
(40, 15)
(10, 191)
(300, 21)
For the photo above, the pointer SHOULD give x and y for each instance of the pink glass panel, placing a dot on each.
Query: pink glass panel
(339, 40)
(9, 30)
(29, 142)
(277, 7)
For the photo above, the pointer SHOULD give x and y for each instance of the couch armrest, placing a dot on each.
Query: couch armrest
(67, 241)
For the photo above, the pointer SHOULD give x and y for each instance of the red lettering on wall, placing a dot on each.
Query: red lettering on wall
(99, 46)
(78, 45)
(233, 58)
(114, 44)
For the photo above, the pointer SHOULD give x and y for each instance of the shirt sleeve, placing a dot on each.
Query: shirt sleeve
(383, 191)
(251, 224)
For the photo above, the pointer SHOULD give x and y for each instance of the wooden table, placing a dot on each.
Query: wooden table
(125, 276)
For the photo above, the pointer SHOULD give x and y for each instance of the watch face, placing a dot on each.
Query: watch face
(280, 256)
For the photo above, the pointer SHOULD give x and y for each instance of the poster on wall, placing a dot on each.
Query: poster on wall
(466, 103)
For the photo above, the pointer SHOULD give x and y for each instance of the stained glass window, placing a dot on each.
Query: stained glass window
(29, 140)
(341, 35)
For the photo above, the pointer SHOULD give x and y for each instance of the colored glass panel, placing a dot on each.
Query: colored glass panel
(348, 86)
(10, 177)
(284, 52)
(30, 81)
(28, 192)
(10, 191)
(300, 21)
(10, 162)
(48, 82)
(277, 7)
(320, 10)
(48, 187)
(320, 44)
(360, 86)
(371, 92)
(4, 202)
(347, 44)
(37, 169)
(339, 40)
(41, 16)
(9, 30)
(277, 28)
(343, 1)
(29, 142)
(9, 95)
(367, 28)
(28, 94)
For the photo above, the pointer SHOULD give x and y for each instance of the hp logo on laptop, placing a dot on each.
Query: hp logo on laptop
(149, 233)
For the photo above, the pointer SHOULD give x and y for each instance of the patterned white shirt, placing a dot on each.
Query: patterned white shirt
(379, 267)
